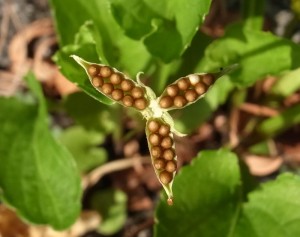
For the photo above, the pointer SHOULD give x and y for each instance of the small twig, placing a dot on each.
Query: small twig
(94, 176)
(6, 11)
(233, 128)
(258, 110)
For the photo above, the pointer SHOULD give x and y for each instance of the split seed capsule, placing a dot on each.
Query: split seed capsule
(97, 81)
(165, 177)
(153, 126)
(116, 78)
(93, 70)
(166, 102)
(128, 100)
(107, 88)
(105, 71)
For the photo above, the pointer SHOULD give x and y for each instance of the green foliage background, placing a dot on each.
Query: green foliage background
(214, 196)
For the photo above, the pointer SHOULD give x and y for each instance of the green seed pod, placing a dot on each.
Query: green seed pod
(171, 166)
(165, 177)
(154, 139)
(127, 85)
(116, 78)
(107, 88)
(166, 102)
(128, 100)
(164, 130)
(169, 154)
(97, 81)
(140, 103)
(117, 94)
(156, 151)
(137, 92)
(105, 71)
(153, 126)
(172, 90)
(93, 70)
(159, 164)
(191, 95)
(180, 101)
(166, 142)
(183, 84)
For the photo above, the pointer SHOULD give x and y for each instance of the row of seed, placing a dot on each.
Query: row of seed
(162, 149)
(117, 87)
(185, 90)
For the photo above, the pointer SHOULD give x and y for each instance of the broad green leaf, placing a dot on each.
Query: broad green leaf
(208, 201)
(91, 114)
(253, 14)
(84, 146)
(274, 125)
(112, 46)
(272, 211)
(287, 84)
(258, 54)
(206, 196)
(167, 27)
(111, 205)
(38, 176)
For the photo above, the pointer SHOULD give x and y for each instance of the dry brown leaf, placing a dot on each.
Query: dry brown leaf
(263, 165)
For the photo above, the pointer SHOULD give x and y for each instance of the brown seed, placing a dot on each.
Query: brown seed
(165, 177)
(172, 90)
(117, 94)
(171, 166)
(166, 102)
(105, 71)
(127, 85)
(200, 88)
(153, 126)
(180, 101)
(169, 154)
(208, 79)
(170, 201)
(128, 100)
(97, 81)
(156, 151)
(166, 142)
(93, 70)
(159, 164)
(164, 130)
(140, 103)
(137, 92)
(183, 84)
(116, 78)
(154, 139)
(107, 88)
(191, 95)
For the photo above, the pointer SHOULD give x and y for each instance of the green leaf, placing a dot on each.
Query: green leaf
(111, 205)
(91, 114)
(257, 53)
(277, 124)
(167, 27)
(112, 46)
(208, 201)
(253, 12)
(206, 195)
(287, 84)
(273, 210)
(38, 176)
(84, 146)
